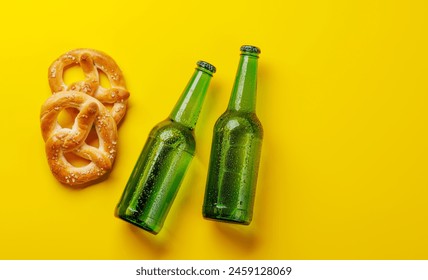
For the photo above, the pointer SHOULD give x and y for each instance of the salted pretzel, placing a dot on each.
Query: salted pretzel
(92, 61)
(60, 140)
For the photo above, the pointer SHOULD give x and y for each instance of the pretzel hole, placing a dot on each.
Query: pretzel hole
(67, 117)
(75, 160)
(92, 139)
(109, 106)
(73, 74)
(104, 81)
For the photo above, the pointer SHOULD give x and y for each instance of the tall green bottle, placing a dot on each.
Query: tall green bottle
(236, 148)
(162, 164)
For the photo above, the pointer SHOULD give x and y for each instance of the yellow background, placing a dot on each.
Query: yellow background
(343, 98)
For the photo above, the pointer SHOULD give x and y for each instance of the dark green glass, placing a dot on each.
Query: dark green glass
(163, 162)
(236, 149)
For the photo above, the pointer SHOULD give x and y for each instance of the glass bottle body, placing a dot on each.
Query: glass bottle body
(157, 175)
(233, 171)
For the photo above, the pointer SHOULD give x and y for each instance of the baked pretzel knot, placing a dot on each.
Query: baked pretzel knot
(61, 140)
(92, 61)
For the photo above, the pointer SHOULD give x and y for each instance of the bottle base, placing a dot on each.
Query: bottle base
(140, 224)
(237, 217)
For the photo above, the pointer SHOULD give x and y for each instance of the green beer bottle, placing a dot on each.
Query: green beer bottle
(161, 166)
(236, 148)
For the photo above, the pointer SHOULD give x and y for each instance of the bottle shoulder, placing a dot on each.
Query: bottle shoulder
(239, 121)
(173, 133)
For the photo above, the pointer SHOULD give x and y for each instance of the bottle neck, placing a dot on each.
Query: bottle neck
(188, 107)
(244, 90)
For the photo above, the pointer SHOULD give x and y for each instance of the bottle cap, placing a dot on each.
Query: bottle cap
(250, 49)
(207, 66)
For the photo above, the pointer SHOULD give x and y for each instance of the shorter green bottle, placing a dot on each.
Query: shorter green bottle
(162, 164)
(236, 149)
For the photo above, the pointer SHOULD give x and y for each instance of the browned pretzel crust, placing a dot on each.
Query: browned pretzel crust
(91, 61)
(60, 140)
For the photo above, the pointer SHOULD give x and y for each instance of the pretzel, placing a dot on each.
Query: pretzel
(60, 140)
(91, 61)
